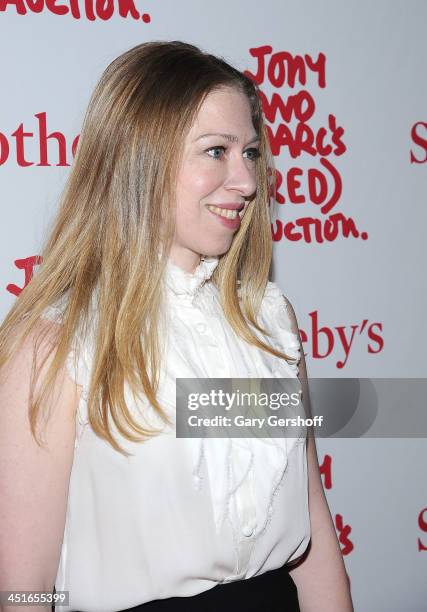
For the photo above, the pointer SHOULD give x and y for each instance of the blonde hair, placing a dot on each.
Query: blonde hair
(117, 203)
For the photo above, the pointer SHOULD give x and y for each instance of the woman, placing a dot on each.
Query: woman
(156, 268)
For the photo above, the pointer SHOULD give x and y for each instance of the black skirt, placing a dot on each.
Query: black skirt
(272, 591)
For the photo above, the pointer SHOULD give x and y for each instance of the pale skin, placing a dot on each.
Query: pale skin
(214, 170)
(320, 575)
(33, 481)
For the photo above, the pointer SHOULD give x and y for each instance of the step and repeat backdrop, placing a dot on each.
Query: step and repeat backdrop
(344, 91)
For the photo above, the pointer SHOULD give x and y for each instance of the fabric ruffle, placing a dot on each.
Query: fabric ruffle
(232, 462)
(76, 364)
(181, 282)
(276, 319)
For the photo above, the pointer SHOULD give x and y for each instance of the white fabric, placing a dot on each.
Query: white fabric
(182, 515)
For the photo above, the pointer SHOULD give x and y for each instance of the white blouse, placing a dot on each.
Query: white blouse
(183, 515)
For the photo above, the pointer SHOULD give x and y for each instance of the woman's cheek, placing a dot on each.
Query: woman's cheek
(201, 183)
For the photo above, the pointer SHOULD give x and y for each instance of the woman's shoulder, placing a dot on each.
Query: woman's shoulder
(275, 301)
(273, 295)
(55, 311)
(278, 315)
(79, 357)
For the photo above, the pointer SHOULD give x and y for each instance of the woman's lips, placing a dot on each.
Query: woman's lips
(232, 224)
(229, 205)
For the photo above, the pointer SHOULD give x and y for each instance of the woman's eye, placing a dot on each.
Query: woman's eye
(215, 149)
(254, 152)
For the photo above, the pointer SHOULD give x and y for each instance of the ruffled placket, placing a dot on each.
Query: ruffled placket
(244, 473)
(188, 285)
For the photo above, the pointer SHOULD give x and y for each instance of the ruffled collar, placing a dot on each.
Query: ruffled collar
(181, 282)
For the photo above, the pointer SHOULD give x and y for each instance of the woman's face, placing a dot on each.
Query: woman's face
(218, 169)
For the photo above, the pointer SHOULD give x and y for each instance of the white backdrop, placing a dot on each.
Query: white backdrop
(366, 287)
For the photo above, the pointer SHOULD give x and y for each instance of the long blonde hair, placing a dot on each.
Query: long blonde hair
(117, 203)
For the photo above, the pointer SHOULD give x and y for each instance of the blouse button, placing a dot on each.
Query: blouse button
(201, 328)
(248, 529)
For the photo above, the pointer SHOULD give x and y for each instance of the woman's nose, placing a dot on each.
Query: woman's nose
(241, 176)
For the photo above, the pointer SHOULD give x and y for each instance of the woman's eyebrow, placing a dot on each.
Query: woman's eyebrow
(229, 137)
